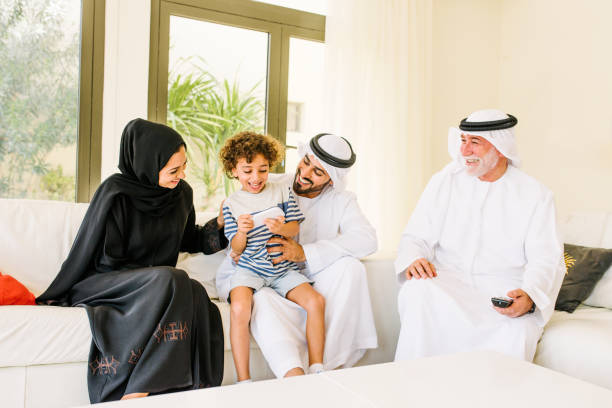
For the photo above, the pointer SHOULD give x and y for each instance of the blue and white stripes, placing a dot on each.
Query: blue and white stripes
(255, 256)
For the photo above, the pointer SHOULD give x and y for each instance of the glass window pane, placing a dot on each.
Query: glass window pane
(216, 88)
(305, 94)
(39, 96)
(311, 6)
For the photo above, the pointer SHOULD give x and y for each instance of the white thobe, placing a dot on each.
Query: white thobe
(485, 239)
(334, 235)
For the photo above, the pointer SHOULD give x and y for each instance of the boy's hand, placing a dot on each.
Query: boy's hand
(275, 225)
(245, 223)
(235, 256)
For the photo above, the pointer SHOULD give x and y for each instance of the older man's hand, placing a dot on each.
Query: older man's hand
(421, 268)
(521, 304)
(290, 250)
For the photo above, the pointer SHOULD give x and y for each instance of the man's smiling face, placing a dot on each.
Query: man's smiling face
(310, 177)
(479, 155)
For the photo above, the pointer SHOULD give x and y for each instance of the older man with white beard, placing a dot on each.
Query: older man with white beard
(481, 229)
(333, 237)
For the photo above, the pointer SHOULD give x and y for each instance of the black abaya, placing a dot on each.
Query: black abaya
(154, 329)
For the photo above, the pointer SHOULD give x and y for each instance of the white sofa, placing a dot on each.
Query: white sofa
(44, 350)
(580, 343)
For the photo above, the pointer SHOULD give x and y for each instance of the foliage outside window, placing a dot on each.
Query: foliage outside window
(39, 90)
(205, 104)
(207, 112)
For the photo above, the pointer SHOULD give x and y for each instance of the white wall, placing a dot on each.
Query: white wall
(556, 75)
(465, 53)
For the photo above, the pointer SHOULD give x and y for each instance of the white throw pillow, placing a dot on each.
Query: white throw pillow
(602, 293)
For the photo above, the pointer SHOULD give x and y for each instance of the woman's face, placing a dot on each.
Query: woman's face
(253, 175)
(174, 170)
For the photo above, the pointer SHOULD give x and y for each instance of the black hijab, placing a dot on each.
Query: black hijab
(146, 147)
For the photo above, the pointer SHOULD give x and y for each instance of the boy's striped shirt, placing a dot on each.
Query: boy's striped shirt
(255, 256)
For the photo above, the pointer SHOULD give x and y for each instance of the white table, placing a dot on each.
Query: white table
(477, 379)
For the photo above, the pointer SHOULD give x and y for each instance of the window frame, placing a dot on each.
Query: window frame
(287, 34)
(91, 86)
(279, 22)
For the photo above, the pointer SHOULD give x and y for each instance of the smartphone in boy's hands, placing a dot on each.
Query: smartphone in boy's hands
(272, 212)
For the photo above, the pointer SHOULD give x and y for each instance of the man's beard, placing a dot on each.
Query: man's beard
(308, 190)
(486, 163)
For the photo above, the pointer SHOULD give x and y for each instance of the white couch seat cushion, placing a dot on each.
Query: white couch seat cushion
(578, 344)
(34, 335)
(43, 335)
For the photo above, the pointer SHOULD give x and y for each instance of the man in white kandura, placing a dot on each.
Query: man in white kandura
(481, 229)
(332, 238)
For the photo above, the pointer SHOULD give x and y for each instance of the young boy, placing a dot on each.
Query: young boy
(252, 216)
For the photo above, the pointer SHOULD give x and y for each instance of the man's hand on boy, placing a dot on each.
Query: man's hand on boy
(275, 225)
(245, 223)
(290, 250)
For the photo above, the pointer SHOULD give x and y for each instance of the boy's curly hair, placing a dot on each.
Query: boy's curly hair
(247, 145)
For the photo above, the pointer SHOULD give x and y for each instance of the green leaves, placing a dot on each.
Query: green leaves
(207, 112)
(39, 67)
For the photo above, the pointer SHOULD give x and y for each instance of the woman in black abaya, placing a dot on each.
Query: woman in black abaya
(154, 329)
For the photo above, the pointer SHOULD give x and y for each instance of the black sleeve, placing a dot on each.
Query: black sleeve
(208, 238)
(112, 253)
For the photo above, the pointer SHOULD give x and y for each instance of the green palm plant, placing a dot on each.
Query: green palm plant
(207, 112)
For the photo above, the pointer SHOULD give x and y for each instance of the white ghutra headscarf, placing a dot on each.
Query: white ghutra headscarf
(334, 153)
(491, 124)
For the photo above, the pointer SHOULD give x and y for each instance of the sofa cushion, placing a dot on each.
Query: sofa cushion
(602, 293)
(43, 335)
(36, 237)
(585, 267)
(585, 228)
(578, 344)
(606, 236)
(33, 335)
(202, 268)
